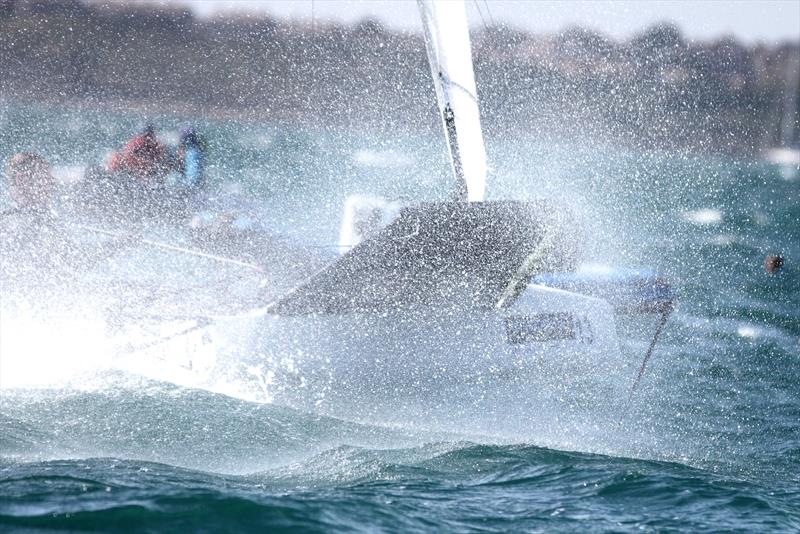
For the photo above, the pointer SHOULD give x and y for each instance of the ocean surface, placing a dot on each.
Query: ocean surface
(709, 442)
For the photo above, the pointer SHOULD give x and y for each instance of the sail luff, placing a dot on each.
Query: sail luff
(450, 58)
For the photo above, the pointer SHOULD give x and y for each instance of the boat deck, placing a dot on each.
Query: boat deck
(444, 253)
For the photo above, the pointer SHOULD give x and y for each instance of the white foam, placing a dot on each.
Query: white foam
(786, 157)
(47, 350)
(723, 240)
(703, 217)
(382, 159)
(748, 331)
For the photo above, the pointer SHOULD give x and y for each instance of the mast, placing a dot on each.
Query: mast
(450, 59)
(791, 87)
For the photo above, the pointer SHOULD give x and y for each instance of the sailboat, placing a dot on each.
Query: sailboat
(446, 309)
(460, 309)
(786, 156)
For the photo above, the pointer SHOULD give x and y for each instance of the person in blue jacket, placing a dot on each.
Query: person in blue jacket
(191, 159)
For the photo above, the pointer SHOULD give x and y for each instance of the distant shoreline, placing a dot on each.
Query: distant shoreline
(157, 111)
(654, 91)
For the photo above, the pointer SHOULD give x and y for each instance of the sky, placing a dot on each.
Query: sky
(749, 20)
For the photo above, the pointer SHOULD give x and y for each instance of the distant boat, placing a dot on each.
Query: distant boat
(787, 155)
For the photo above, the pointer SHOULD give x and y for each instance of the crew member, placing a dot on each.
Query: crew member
(144, 157)
(34, 245)
(191, 156)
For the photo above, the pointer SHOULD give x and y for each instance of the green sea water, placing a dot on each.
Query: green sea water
(710, 442)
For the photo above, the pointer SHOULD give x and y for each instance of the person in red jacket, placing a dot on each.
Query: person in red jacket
(144, 157)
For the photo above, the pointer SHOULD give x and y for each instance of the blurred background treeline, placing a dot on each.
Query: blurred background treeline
(656, 90)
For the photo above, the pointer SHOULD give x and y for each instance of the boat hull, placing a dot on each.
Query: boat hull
(445, 368)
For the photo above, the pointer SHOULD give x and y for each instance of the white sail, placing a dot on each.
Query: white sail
(450, 58)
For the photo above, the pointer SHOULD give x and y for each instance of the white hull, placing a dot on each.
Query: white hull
(420, 367)
(207, 357)
(441, 368)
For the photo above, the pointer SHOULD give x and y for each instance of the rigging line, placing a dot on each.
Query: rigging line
(201, 322)
(414, 233)
(478, 7)
(531, 265)
(447, 81)
(488, 12)
(174, 248)
(161, 293)
(664, 316)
